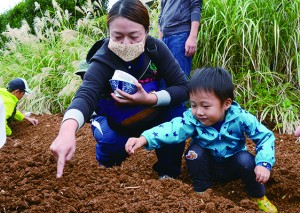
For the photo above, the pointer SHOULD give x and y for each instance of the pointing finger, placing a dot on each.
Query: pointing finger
(60, 166)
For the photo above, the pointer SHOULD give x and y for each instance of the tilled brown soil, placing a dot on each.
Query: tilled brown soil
(28, 182)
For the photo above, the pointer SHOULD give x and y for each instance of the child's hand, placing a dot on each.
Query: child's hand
(262, 174)
(33, 121)
(297, 132)
(134, 143)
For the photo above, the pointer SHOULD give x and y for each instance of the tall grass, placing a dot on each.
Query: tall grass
(48, 55)
(258, 41)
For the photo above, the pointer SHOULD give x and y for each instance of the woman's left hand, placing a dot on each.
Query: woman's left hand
(141, 97)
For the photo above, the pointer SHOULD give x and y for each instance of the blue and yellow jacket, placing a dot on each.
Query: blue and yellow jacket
(229, 140)
(10, 104)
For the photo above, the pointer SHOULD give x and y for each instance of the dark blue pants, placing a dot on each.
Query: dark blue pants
(203, 170)
(110, 147)
(176, 44)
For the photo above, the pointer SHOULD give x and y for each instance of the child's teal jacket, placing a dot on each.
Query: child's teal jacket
(230, 140)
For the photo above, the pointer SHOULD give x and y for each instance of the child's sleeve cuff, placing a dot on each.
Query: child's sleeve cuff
(264, 164)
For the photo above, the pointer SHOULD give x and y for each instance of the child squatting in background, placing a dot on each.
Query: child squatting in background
(11, 95)
(216, 124)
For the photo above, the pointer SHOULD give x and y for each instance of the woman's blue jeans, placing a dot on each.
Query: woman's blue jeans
(203, 170)
(110, 147)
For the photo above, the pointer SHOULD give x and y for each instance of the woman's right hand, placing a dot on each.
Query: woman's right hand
(64, 145)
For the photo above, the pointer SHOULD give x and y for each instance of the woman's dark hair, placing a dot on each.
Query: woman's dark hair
(134, 10)
(213, 79)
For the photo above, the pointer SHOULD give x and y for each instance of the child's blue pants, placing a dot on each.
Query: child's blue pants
(204, 170)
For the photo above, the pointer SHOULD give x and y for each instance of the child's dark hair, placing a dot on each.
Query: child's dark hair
(212, 79)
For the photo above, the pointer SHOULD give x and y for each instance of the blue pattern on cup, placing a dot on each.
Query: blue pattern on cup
(122, 85)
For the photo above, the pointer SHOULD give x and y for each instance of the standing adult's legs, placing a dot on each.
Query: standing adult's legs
(176, 44)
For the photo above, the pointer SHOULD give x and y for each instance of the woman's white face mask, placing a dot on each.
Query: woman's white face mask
(127, 52)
